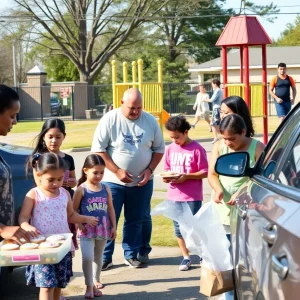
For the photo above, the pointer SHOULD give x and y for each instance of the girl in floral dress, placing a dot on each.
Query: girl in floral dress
(93, 198)
(49, 209)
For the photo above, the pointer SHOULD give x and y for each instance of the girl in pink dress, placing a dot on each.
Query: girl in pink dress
(49, 209)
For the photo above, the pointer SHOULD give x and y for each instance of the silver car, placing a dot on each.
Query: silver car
(265, 222)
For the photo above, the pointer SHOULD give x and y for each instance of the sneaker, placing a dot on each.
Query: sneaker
(143, 258)
(193, 126)
(106, 265)
(185, 265)
(133, 262)
(214, 141)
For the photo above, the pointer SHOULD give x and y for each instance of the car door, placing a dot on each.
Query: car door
(258, 214)
(282, 277)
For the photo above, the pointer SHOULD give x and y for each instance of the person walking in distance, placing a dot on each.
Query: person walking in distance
(201, 107)
(131, 143)
(216, 100)
(282, 83)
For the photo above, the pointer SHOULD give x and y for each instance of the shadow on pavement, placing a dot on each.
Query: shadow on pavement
(147, 282)
(172, 261)
(180, 293)
(17, 288)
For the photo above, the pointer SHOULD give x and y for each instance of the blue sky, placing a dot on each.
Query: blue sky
(273, 29)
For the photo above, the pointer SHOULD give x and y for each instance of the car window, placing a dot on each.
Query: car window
(290, 172)
(275, 152)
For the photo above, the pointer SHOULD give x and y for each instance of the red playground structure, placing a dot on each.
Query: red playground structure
(242, 32)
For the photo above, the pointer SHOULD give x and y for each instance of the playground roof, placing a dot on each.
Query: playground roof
(275, 55)
(243, 30)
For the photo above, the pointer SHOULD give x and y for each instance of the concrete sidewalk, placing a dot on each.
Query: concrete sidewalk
(160, 280)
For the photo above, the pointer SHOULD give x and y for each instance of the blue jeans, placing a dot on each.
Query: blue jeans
(145, 248)
(137, 220)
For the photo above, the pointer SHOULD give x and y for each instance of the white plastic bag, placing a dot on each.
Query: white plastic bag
(203, 233)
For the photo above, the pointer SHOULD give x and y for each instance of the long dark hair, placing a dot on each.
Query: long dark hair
(40, 146)
(239, 107)
(233, 123)
(7, 97)
(90, 161)
(48, 161)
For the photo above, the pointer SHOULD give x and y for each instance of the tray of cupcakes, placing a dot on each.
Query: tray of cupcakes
(46, 249)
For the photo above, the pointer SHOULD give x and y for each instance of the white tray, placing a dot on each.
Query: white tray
(36, 256)
(170, 175)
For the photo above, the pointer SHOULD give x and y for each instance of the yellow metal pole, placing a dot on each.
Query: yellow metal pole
(140, 74)
(160, 70)
(160, 81)
(114, 81)
(125, 72)
(134, 74)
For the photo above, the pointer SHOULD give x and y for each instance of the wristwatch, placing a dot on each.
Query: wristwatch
(150, 169)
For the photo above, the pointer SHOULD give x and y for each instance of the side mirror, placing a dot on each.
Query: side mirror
(236, 164)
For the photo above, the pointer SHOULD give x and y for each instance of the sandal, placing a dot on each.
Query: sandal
(98, 285)
(97, 293)
(89, 295)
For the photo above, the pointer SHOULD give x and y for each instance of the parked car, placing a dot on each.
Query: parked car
(55, 106)
(16, 157)
(265, 222)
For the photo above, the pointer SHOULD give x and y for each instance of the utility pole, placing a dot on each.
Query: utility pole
(14, 65)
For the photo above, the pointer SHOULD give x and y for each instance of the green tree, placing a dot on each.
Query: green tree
(193, 26)
(81, 23)
(291, 35)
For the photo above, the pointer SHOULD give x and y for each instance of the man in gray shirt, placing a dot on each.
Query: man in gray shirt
(131, 143)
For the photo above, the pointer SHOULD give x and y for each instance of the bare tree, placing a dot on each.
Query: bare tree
(12, 36)
(74, 27)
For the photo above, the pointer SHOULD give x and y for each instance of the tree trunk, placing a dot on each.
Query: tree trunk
(85, 78)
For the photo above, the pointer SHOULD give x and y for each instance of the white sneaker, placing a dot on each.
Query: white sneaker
(185, 265)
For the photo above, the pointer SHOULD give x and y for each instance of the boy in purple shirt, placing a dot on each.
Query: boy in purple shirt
(186, 157)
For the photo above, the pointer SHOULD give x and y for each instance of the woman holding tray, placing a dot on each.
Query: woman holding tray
(9, 108)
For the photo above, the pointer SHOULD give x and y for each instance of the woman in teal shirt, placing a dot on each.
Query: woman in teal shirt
(233, 130)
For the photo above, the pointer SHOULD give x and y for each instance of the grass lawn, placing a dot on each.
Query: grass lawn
(160, 224)
(80, 133)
